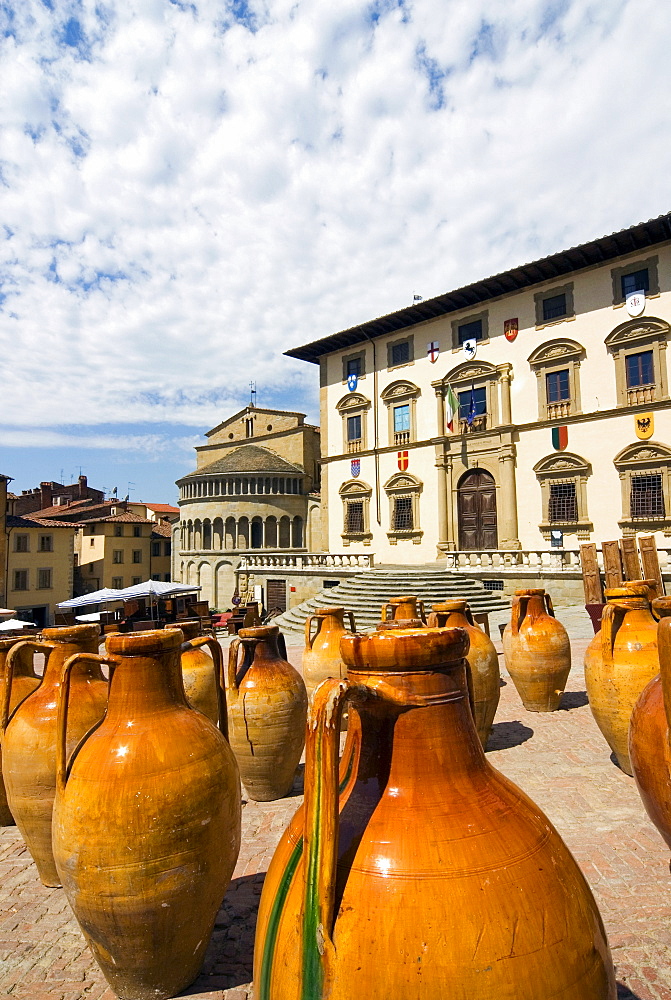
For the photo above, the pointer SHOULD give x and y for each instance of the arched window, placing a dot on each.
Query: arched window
(231, 533)
(243, 533)
(218, 535)
(638, 348)
(400, 398)
(271, 532)
(257, 533)
(297, 533)
(557, 367)
(353, 409)
(285, 533)
(207, 534)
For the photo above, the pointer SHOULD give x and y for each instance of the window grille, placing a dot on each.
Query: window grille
(563, 504)
(354, 523)
(554, 307)
(492, 584)
(647, 496)
(403, 519)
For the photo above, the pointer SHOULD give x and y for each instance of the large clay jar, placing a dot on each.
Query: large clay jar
(649, 747)
(619, 661)
(321, 656)
(537, 651)
(267, 712)
(24, 681)
(198, 671)
(401, 608)
(146, 821)
(482, 658)
(29, 741)
(356, 903)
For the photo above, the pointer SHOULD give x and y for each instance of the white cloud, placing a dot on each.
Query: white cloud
(185, 198)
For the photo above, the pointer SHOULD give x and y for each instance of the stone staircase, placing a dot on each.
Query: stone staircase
(365, 593)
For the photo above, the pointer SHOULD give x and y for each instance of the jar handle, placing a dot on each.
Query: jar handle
(232, 677)
(309, 638)
(468, 614)
(422, 612)
(352, 623)
(383, 612)
(516, 615)
(664, 649)
(611, 619)
(549, 605)
(321, 832)
(218, 661)
(62, 717)
(36, 645)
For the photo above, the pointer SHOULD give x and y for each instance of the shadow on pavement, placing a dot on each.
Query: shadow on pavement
(505, 735)
(573, 699)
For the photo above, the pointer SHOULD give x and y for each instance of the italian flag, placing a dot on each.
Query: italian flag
(451, 408)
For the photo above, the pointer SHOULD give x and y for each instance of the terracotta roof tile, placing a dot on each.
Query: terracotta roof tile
(14, 521)
(162, 530)
(248, 458)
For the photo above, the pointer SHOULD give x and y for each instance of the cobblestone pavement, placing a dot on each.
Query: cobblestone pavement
(559, 759)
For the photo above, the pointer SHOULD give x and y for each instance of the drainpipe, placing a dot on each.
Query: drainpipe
(375, 432)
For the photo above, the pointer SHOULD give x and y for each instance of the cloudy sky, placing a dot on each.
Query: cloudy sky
(190, 188)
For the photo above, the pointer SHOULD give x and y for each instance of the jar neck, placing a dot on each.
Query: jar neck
(62, 651)
(145, 685)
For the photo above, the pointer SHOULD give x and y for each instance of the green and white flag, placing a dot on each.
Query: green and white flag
(451, 408)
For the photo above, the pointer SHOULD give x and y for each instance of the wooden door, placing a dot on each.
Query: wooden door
(276, 594)
(476, 505)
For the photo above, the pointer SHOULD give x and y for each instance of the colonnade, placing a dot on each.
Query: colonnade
(241, 486)
(233, 533)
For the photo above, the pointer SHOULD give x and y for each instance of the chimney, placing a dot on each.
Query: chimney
(83, 483)
(46, 495)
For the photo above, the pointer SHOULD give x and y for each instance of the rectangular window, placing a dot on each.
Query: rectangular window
(117, 556)
(93, 541)
(44, 579)
(401, 418)
(137, 555)
(166, 578)
(117, 583)
(400, 353)
(557, 386)
(554, 307)
(156, 549)
(21, 543)
(137, 531)
(354, 428)
(640, 369)
(167, 546)
(480, 397)
(647, 497)
(470, 331)
(354, 366)
(156, 576)
(402, 518)
(563, 504)
(638, 281)
(354, 520)
(46, 543)
(136, 580)
(20, 579)
(118, 530)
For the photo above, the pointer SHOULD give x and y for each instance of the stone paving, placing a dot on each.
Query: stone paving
(559, 759)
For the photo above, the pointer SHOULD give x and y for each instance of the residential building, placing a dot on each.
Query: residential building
(254, 488)
(154, 511)
(49, 494)
(161, 551)
(114, 551)
(562, 426)
(40, 560)
(3, 538)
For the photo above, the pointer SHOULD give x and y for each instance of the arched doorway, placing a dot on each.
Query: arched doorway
(476, 505)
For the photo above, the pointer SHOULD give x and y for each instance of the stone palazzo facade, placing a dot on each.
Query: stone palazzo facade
(254, 490)
(561, 432)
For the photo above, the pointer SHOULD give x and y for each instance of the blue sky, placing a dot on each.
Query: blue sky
(189, 188)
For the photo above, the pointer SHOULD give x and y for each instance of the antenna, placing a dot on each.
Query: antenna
(252, 393)
(129, 490)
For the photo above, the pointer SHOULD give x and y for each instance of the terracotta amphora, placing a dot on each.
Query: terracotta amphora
(24, 681)
(146, 820)
(661, 608)
(537, 651)
(619, 661)
(482, 657)
(267, 712)
(29, 741)
(321, 656)
(487, 902)
(198, 671)
(403, 608)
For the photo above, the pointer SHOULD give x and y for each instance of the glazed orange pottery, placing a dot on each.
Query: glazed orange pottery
(403, 608)
(29, 741)
(267, 712)
(321, 656)
(537, 651)
(482, 658)
(649, 746)
(24, 681)
(619, 661)
(198, 671)
(486, 903)
(146, 820)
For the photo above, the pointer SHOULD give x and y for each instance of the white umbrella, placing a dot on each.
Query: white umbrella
(14, 623)
(96, 597)
(155, 588)
(94, 617)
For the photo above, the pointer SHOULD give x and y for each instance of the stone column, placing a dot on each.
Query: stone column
(440, 410)
(442, 495)
(508, 516)
(505, 378)
(452, 532)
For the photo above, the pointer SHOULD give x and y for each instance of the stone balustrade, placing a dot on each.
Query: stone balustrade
(307, 561)
(552, 560)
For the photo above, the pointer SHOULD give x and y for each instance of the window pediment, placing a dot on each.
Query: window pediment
(355, 489)
(470, 371)
(563, 464)
(403, 481)
(637, 330)
(399, 390)
(556, 351)
(651, 452)
(353, 401)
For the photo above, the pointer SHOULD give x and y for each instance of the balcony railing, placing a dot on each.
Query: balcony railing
(353, 447)
(556, 411)
(479, 424)
(642, 394)
(401, 438)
